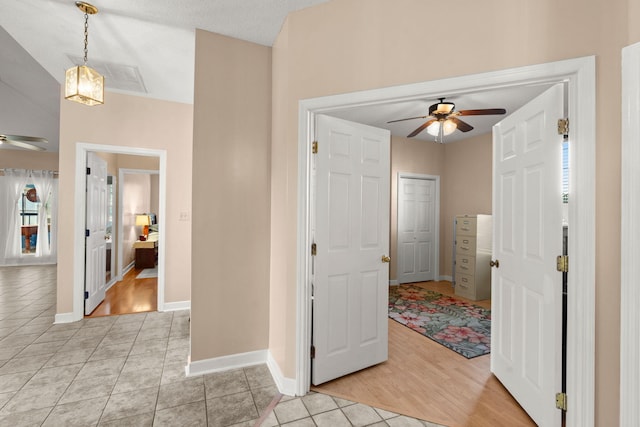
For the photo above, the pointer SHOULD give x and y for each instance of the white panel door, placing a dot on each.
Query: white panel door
(416, 229)
(526, 290)
(350, 284)
(96, 226)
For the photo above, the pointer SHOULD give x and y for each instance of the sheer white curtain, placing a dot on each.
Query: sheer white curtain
(43, 182)
(14, 180)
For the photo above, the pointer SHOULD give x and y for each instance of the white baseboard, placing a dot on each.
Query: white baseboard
(395, 282)
(225, 363)
(63, 318)
(127, 268)
(178, 305)
(285, 385)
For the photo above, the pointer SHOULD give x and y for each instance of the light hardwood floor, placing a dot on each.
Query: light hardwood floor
(425, 380)
(130, 295)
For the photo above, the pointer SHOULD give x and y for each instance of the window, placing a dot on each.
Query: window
(29, 205)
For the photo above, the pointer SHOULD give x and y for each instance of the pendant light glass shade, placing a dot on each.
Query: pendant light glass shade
(448, 127)
(84, 85)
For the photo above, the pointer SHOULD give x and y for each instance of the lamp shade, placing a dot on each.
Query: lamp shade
(84, 85)
(448, 127)
(142, 220)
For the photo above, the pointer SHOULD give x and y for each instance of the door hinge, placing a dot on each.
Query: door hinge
(88, 171)
(313, 352)
(314, 249)
(86, 233)
(563, 127)
(86, 295)
(562, 263)
(314, 147)
(561, 401)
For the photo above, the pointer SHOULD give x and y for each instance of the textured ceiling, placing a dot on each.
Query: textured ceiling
(155, 36)
(146, 48)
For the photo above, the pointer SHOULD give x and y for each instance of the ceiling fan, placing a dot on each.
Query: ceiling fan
(443, 119)
(23, 141)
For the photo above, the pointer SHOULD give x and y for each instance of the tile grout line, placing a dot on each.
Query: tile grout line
(164, 359)
(268, 409)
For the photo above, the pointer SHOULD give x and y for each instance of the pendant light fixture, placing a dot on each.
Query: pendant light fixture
(82, 83)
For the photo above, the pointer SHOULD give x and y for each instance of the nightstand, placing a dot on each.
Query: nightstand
(146, 253)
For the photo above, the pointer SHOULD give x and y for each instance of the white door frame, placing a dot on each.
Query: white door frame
(79, 224)
(579, 75)
(436, 178)
(630, 236)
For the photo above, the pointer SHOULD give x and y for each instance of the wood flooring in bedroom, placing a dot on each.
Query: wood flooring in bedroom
(130, 295)
(425, 380)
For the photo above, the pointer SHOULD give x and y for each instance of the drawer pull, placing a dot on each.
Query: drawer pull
(464, 248)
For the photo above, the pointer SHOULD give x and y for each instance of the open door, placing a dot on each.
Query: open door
(351, 238)
(527, 237)
(96, 228)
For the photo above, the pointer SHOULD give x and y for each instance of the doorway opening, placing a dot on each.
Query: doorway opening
(132, 246)
(579, 76)
(79, 228)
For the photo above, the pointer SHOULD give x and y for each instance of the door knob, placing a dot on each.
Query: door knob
(386, 258)
(495, 263)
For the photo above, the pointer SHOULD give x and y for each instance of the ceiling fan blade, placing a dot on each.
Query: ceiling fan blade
(24, 138)
(421, 128)
(409, 118)
(462, 126)
(22, 144)
(484, 112)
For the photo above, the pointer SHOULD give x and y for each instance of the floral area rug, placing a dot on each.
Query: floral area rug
(462, 327)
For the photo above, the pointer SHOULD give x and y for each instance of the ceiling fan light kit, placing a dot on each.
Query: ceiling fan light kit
(443, 119)
(448, 127)
(83, 84)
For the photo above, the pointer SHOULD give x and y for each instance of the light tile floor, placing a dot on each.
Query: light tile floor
(129, 371)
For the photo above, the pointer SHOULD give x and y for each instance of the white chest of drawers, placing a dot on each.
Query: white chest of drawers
(472, 254)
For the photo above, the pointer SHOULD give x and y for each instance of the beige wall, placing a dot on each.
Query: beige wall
(130, 121)
(112, 162)
(466, 188)
(230, 264)
(130, 161)
(367, 44)
(23, 159)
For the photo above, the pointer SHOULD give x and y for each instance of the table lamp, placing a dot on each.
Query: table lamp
(144, 221)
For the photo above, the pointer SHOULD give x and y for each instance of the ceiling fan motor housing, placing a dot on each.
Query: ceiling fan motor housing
(441, 108)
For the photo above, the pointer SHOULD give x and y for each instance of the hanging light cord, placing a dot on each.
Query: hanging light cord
(86, 36)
